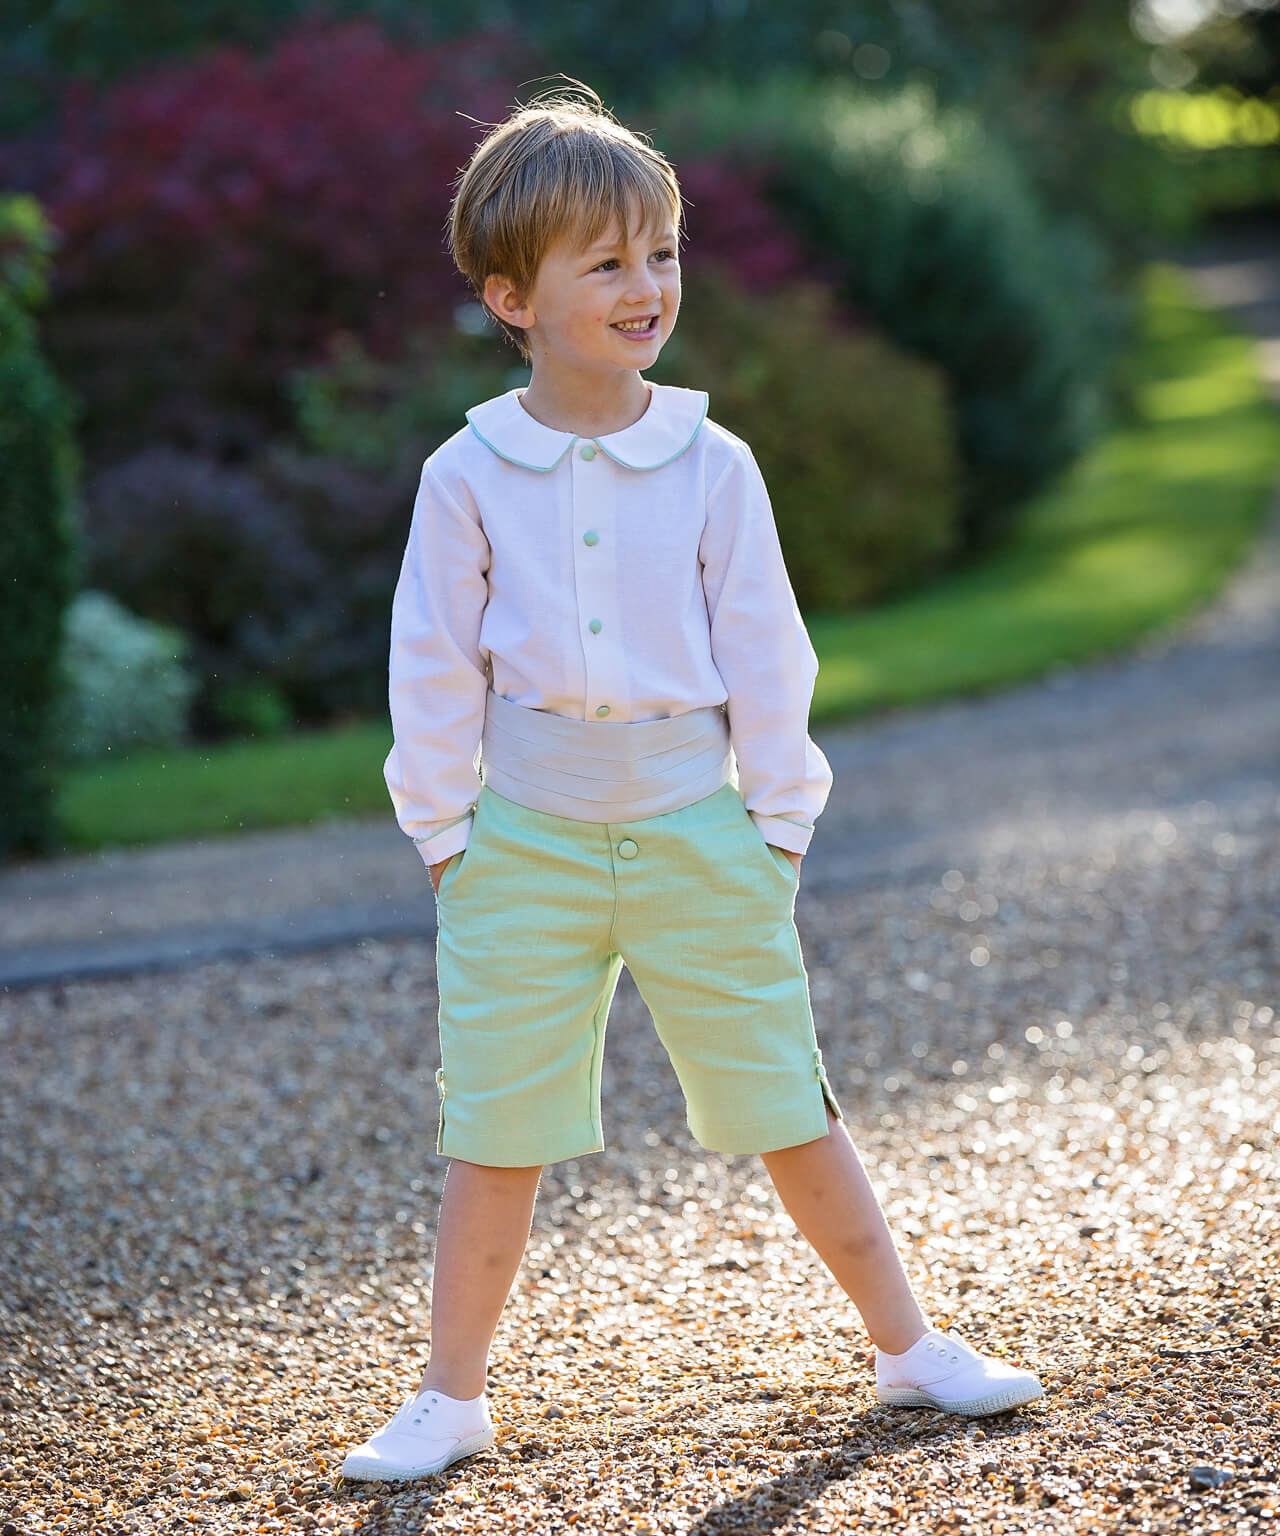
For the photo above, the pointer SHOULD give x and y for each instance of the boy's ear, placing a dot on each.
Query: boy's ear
(505, 302)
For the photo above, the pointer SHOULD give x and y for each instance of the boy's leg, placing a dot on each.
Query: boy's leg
(828, 1195)
(481, 1234)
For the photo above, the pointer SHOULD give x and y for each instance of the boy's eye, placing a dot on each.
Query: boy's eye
(612, 260)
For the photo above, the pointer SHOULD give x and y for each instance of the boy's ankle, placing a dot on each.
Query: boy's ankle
(912, 1335)
(461, 1388)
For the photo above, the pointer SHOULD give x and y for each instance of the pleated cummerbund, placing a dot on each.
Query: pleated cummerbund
(607, 770)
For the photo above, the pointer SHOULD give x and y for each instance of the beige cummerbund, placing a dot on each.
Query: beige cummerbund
(610, 770)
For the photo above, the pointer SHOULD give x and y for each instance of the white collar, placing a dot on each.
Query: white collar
(670, 423)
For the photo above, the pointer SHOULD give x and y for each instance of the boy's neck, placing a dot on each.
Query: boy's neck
(587, 407)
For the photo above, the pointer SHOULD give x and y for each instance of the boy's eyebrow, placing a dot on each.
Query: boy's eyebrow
(612, 242)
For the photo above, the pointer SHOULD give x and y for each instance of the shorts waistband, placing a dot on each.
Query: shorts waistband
(603, 771)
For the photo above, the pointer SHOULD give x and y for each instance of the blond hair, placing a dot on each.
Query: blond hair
(561, 165)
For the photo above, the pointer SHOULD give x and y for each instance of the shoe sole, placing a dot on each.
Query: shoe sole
(993, 1402)
(358, 1471)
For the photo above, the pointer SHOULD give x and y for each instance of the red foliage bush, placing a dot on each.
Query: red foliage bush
(729, 223)
(222, 218)
(235, 211)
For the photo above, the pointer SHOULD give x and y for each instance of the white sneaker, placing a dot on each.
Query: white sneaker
(942, 1371)
(425, 1435)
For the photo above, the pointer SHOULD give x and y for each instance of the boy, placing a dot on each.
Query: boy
(593, 604)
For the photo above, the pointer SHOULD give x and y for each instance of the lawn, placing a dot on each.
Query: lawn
(1139, 533)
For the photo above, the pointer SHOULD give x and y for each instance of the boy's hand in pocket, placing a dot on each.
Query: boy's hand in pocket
(434, 871)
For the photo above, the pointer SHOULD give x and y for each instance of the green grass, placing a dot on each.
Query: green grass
(1139, 533)
(153, 796)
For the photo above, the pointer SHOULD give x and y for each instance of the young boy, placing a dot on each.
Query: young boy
(593, 606)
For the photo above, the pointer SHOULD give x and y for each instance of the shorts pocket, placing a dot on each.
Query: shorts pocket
(779, 866)
(449, 871)
(789, 872)
(777, 861)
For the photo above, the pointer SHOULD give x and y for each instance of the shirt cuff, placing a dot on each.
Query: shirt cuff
(791, 835)
(452, 840)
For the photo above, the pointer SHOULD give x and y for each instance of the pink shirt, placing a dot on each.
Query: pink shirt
(626, 577)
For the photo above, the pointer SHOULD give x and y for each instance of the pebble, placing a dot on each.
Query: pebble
(1208, 1477)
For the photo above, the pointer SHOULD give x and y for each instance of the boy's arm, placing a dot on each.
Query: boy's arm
(764, 656)
(436, 678)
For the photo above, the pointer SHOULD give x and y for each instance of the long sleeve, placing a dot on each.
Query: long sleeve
(764, 656)
(437, 678)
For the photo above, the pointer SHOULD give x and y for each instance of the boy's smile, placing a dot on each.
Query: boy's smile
(643, 330)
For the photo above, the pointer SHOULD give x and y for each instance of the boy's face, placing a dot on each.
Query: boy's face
(576, 316)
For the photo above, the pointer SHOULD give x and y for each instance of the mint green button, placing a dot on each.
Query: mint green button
(602, 709)
(589, 452)
(628, 848)
(591, 537)
(595, 626)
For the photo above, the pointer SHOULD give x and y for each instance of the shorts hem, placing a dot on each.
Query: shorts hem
(520, 1157)
(764, 1135)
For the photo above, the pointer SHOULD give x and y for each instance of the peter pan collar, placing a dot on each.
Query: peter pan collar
(670, 423)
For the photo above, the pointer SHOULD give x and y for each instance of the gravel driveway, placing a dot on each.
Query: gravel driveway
(1042, 939)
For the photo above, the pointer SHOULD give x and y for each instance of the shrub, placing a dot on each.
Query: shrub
(942, 242)
(732, 227)
(279, 573)
(387, 417)
(854, 438)
(222, 217)
(251, 709)
(38, 549)
(127, 684)
(354, 524)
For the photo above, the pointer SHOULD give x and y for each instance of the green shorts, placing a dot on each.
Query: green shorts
(535, 921)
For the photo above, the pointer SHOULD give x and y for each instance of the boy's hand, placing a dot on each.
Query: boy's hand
(794, 857)
(434, 871)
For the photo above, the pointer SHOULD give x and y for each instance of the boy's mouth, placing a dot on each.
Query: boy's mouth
(643, 327)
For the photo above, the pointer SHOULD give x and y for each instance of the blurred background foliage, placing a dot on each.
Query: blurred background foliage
(1047, 73)
(39, 556)
(937, 236)
(914, 231)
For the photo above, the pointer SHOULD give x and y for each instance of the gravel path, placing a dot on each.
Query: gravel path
(1041, 932)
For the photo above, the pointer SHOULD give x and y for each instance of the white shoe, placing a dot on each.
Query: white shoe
(942, 1371)
(425, 1435)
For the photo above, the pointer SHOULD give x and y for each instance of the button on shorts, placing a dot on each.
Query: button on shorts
(535, 921)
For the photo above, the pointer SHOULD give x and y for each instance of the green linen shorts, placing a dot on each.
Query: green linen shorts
(534, 923)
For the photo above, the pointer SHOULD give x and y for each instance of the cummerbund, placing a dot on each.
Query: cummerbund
(608, 770)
